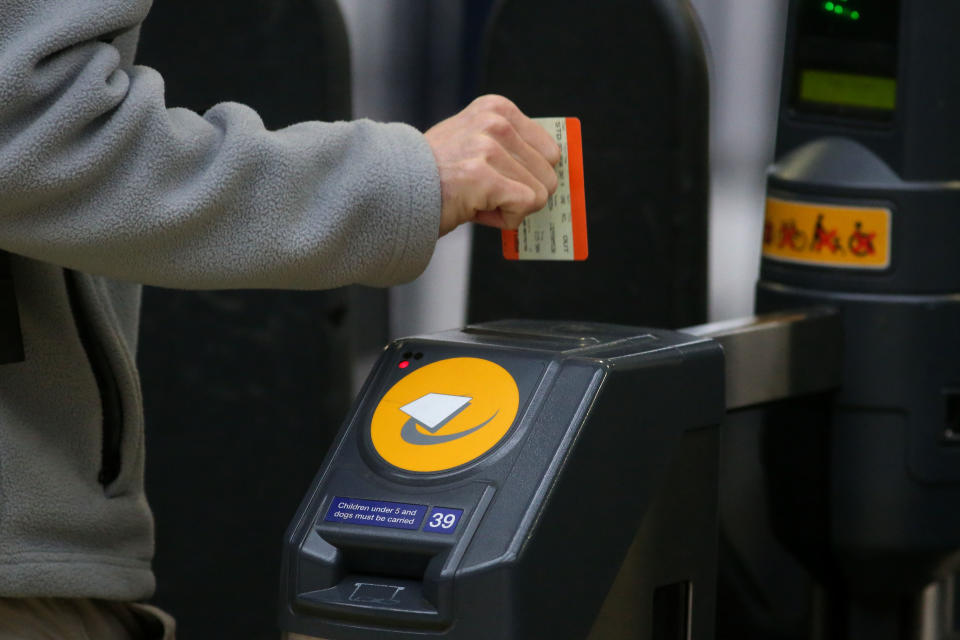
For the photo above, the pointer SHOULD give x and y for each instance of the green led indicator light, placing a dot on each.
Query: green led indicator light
(834, 7)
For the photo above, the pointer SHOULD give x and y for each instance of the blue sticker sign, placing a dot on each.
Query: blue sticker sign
(443, 520)
(376, 513)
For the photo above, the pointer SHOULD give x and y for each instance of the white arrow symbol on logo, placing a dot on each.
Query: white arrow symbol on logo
(431, 412)
(434, 410)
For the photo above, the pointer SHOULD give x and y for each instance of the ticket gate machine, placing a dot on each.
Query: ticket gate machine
(528, 479)
(863, 214)
(491, 481)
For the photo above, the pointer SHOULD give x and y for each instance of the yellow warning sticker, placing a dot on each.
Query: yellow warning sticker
(445, 414)
(827, 234)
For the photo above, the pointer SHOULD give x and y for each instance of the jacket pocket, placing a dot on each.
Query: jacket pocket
(110, 400)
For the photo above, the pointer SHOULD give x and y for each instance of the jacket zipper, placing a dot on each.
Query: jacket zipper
(110, 403)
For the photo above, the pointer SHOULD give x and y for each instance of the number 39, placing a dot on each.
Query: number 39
(441, 521)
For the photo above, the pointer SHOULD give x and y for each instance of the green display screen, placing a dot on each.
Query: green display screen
(848, 89)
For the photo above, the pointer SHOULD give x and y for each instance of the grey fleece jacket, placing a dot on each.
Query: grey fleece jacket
(101, 187)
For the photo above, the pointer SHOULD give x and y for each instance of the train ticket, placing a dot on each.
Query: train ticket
(559, 230)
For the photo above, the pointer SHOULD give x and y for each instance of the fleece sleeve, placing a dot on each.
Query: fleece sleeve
(97, 174)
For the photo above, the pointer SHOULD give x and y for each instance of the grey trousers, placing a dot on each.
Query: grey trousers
(79, 619)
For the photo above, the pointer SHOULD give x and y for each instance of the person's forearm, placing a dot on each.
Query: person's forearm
(99, 175)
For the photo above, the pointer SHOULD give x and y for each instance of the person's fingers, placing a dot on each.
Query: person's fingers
(534, 163)
(495, 164)
(508, 167)
(498, 219)
(512, 198)
(535, 135)
(489, 219)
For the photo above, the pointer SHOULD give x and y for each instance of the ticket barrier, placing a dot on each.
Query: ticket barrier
(861, 215)
(527, 479)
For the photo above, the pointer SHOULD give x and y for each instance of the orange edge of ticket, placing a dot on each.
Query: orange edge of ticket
(578, 200)
(510, 238)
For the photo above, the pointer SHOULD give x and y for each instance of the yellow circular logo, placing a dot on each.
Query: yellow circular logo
(445, 414)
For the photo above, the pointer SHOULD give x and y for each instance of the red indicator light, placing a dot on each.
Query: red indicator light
(404, 364)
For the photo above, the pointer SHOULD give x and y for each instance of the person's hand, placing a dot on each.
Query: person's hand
(496, 164)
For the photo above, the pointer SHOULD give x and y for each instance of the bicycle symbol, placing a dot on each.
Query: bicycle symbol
(823, 239)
